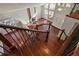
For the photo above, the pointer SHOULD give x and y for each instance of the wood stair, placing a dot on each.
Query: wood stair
(38, 47)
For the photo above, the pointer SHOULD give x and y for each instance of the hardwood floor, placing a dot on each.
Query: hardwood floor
(41, 48)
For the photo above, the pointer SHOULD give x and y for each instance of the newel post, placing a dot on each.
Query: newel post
(48, 33)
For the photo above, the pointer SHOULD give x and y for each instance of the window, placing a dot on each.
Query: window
(64, 5)
(52, 6)
(34, 9)
(34, 14)
(29, 13)
(49, 10)
(51, 14)
(68, 5)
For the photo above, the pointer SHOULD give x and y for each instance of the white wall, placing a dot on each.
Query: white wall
(21, 14)
(18, 14)
(38, 9)
(59, 16)
(68, 24)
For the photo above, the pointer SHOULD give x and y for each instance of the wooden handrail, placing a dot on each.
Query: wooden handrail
(13, 27)
(63, 32)
(27, 35)
(72, 17)
(67, 42)
(73, 8)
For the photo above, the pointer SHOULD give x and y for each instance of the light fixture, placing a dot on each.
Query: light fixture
(59, 9)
